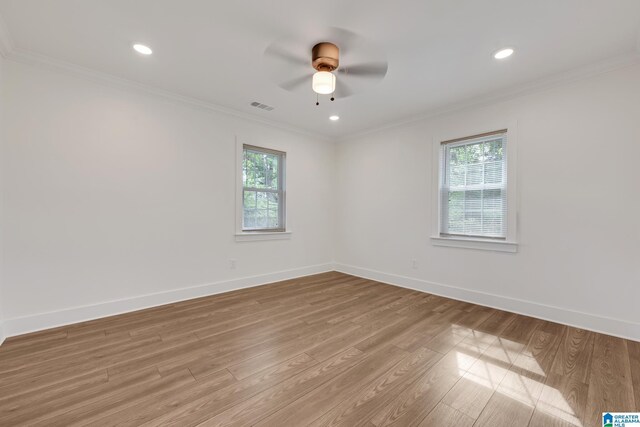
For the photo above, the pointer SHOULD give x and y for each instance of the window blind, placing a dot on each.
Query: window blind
(473, 186)
(263, 189)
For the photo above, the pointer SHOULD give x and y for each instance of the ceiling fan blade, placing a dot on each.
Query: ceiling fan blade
(342, 89)
(373, 70)
(295, 83)
(345, 39)
(280, 53)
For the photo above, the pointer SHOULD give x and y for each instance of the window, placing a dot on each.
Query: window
(473, 187)
(263, 191)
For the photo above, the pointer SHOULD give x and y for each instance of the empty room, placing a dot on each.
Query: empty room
(291, 213)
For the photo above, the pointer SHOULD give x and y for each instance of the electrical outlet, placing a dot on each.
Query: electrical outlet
(414, 263)
(232, 264)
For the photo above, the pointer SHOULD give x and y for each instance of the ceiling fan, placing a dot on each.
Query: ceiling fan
(364, 64)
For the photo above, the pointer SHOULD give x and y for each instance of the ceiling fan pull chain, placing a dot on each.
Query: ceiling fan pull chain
(317, 102)
(333, 96)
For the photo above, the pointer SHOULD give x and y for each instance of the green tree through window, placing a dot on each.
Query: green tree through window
(263, 189)
(473, 187)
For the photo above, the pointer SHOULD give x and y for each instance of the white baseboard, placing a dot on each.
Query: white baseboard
(606, 325)
(601, 324)
(37, 322)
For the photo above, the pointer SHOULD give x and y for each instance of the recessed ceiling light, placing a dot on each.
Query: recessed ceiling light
(503, 53)
(140, 48)
(334, 118)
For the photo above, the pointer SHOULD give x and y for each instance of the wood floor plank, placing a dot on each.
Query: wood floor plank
(70, 349)
(219, 357)
(610, 388)
(521, 329)
(497, 322)
(544, 419)
(123, 398)
(33, 339)
(393, 334)
(552, 328)
(501, 410)
(563, 400)
(476, 387)
(633, 348)
(416, 400)
(370, 304)
(524, 381)
(341, 342)
(267, 359)
(543, 347)
(273, 399)
(457, 329)
(448, 338)
(472, 392)
(26, 401)
(198, 403)
(138, 410)
(574, 356)
(172, 357)
(475, 315)
(322, 399)
(363, 402)
(45, 376)
(395, 305)
(326, 349)
(51, 409)
(423, 330)
(446, 416)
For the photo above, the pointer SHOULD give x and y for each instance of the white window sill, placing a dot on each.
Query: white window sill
(251, 236)
(471, 243)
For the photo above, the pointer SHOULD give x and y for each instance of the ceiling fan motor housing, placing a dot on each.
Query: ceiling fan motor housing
(325, 56)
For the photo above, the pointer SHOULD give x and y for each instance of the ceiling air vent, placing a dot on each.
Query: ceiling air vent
(261, 106)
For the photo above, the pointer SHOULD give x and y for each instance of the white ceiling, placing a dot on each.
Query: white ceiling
(439, 51)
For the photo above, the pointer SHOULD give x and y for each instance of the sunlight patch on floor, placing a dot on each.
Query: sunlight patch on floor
(464, 361)
(552, 402)
(504, 366)
(486, 374)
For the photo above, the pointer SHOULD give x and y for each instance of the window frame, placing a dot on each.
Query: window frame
(445, 153)
(438, 238)
(249, 234)
(280, 191)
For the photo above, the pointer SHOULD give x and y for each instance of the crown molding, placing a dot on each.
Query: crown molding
(6, 42)
(540, 85)
(10, 52)
(553, 81)
(39, 60)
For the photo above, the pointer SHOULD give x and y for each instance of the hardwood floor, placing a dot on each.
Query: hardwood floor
(329, 349)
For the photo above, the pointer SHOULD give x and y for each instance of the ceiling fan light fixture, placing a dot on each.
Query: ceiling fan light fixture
(503, 53)
(324, 82)
(142, 49)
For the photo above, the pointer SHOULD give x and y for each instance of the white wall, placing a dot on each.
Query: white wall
(2, 334)
(111, 194)
(114, 200)
(579, 207)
